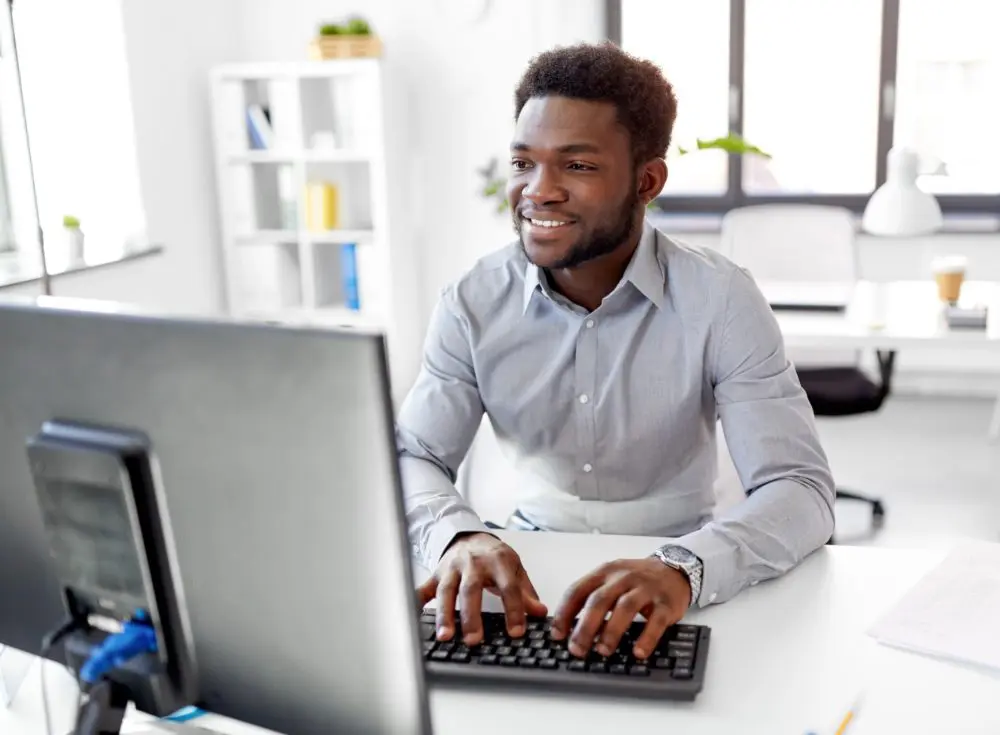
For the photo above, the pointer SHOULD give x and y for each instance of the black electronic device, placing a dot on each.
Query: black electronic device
(675, 670)
(109, 540)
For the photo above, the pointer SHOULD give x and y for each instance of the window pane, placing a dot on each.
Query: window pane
(689, 40)
(811, 90)
(948, 93)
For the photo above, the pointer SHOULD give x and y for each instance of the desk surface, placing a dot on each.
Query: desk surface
(787, 656)
(893, 315)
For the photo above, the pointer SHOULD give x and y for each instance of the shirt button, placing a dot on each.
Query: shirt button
(584, 398)
(588, 467)
(711, 597)
(590, 324)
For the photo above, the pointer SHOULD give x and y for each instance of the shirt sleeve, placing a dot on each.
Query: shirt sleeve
(771, 433)
(434, 428)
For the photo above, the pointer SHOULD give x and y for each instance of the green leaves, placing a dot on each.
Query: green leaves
(731, 143)
(355, 26)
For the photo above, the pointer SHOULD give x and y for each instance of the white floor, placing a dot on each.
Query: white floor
(927, 459)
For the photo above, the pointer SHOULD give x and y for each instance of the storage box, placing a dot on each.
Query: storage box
(344, 47)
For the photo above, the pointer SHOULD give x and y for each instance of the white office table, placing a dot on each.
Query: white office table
(787, 656)
(896, 315)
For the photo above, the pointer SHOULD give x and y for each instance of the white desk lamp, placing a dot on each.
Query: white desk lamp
(899, 207)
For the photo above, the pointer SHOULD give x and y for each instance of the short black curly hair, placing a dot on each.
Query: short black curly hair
(647, 106)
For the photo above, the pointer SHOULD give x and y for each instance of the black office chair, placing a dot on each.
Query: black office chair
(848, 391)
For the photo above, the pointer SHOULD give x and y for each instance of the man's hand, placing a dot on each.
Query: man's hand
(626, 587)
(473, 563)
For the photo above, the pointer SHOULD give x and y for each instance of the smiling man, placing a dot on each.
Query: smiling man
(604, 352)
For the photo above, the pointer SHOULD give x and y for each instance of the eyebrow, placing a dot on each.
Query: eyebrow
(564, 149)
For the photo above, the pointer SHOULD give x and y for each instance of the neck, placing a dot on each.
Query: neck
(588, 283)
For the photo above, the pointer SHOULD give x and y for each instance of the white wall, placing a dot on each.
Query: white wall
(170, 47)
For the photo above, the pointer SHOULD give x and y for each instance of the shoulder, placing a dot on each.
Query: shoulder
(698, 278)
(494, 280)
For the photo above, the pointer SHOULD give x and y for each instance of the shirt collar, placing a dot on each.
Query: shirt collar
(644, 271)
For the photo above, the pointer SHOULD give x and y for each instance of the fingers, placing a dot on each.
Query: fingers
(572, 603)
(447, 592)
(661, 619)
(470, 592)
(509, 587)
(533, 604)
(592, 615)
(426, 592)
(626, 608)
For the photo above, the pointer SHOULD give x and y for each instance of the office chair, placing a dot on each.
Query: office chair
(812, 243)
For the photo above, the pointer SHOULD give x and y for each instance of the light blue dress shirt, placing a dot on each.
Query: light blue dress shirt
(610, 416)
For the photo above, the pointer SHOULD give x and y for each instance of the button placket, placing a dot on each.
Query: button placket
(585, 382)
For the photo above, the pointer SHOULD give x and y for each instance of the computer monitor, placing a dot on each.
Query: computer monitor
(277, 462)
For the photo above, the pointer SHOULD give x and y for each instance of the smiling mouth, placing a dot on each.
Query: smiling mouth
(547, 224)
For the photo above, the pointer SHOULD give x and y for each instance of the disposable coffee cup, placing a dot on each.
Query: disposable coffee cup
(949, 273)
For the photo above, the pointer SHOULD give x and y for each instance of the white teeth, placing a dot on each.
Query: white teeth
(547, 223)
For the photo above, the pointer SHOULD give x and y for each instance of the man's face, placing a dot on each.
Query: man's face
(572, 186)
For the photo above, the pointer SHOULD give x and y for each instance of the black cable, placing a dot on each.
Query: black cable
(48, 642)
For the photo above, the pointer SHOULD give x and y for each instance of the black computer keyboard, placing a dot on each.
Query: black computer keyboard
(676, 670)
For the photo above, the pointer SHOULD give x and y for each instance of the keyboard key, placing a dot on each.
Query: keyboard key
(500, 640)
(428, 646)
(461, 648)
(619, 669)
(460, 657)
(680, 649)
(680, 673)
(427, 631)
(685, 662)
(508, 661)
(686, 635)
(528, 663)
(446, 646)
(504, 651)
(639, 670)
(518, 642)
(543, 654)
(537, 645)
(535, 624)
(482, 650)
(490, 659)
(662, 663)
(686, 629)
(549, 663)
(536, 635)
(577, 665)
(563, 655)
(524, 653)
(598, 667)
(440, 656)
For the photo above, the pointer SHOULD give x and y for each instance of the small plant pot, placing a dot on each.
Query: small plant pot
(344, 47)
(74, 244)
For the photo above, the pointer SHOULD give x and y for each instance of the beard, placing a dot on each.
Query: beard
(601, 241)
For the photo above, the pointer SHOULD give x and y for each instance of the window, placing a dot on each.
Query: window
(948, 93)
(79, 117)
(697, 64)
(826, 87)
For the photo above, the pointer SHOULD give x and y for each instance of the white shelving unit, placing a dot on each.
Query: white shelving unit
(326, 126)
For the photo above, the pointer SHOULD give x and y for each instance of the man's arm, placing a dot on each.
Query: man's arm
(436, 425)
(772, 438)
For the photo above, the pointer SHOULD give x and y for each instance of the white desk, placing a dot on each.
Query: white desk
(897, 315)
(787, 657)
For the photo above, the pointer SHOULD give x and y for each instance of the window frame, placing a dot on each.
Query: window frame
(735, 196)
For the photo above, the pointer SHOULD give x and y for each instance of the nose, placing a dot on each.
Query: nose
(544, 187)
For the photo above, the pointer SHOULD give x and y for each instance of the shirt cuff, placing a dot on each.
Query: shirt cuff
(716, 554)
(445, 530)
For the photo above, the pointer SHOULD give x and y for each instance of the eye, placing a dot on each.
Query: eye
(580, 166)
(519, 164)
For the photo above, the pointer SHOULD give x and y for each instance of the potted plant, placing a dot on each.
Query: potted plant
(352, 39)
(494, 185)
(73, 238)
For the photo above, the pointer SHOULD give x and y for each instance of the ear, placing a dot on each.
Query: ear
(652, 178)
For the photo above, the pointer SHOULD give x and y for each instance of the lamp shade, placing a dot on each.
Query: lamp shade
(899, 206)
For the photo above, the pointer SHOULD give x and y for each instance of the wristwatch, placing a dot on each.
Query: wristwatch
(686, 561)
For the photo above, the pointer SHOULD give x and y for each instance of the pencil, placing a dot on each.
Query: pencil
(845, 722)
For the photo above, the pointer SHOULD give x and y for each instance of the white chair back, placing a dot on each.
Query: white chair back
(792, 242)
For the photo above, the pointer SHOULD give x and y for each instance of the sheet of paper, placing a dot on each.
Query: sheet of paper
(952, 612)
